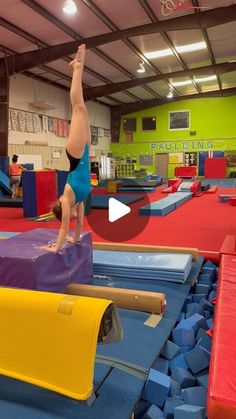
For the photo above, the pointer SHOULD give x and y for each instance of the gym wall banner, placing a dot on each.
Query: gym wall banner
(182, 145)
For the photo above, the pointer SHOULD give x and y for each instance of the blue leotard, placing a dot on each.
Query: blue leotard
(79, 178)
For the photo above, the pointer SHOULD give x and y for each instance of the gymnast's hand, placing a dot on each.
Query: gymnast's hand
(70, 239)
(49, 248)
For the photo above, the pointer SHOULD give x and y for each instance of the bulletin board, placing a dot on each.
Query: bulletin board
(176, 158)
(179, 120)
(146, 160)
(94, 135)
(190, 159)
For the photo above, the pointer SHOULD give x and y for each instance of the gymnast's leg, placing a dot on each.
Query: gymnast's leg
(80, 134)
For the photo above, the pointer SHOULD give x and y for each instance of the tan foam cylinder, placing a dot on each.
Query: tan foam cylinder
(153, 302)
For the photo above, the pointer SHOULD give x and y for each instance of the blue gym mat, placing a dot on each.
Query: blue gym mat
(7, 201)
(221, 183)
(136, 189)
(4, 183)
(117, 391)
(166, 205)
(102, 201)
(132, 348)
(8, 234)
(163, 266)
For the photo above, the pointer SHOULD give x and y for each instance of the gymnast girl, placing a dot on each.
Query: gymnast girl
(70, 204)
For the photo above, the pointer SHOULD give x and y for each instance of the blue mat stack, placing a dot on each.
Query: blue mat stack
(158, 266)
(166, 205)
(185, 186)
(176, 387)
(102, 201)
(136, 189)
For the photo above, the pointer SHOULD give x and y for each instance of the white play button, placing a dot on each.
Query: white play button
(117, 210)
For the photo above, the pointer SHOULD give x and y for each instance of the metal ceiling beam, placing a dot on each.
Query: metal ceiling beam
(211, 54)
(43, 67)
(195, 3)
(95, 92)
(18, 31)
(95, 9)
(53, 19)
(47, 69)
(179, 58)
(213, 17)
(31, 59)
(9, 26)
(134, 107)
(168, 41)
(58, 23)
(44, 13)
(43, 80)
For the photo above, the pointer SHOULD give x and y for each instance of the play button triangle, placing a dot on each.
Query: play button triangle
(117, 210)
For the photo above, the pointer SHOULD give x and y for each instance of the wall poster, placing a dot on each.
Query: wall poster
(179, 120)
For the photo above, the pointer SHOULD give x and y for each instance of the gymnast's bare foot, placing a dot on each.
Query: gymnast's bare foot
(78, 62)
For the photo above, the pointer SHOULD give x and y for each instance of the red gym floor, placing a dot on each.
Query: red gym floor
(203, 222)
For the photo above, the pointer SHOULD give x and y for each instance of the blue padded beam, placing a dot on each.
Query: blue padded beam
(5, 183)
(102, 201)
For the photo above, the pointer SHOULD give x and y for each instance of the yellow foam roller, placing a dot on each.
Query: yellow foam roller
(50, 339)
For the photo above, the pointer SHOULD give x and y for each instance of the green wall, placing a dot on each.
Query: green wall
(213, 119)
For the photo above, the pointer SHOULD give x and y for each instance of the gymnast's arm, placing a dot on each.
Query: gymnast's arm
(65, 225)
(79, 221)
(22, 168)
(78, 226)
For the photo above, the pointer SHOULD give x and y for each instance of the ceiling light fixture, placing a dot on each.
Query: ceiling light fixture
(170, 95)
(69, 7)
(182, 49)
(202, 79)
(159, 54)
(181, 83)
(141, 68)
(191, 47)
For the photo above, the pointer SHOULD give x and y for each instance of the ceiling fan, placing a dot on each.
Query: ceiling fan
(168, 6)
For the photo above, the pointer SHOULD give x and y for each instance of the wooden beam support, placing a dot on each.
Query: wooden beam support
(27, 60)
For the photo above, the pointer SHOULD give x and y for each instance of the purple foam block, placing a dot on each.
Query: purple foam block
(24, 265)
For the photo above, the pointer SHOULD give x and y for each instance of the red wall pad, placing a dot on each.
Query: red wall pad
(215, 168)
(46, 190)
(185, 171)
(39, 192)
(222, 376)
(229, 245)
